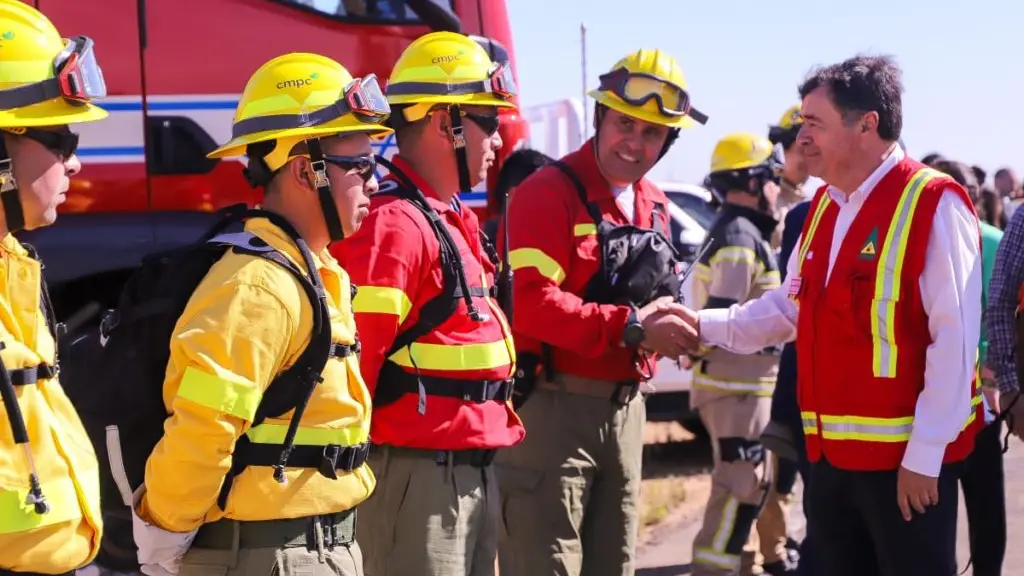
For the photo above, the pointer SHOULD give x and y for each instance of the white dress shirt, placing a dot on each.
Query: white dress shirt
(950, 292)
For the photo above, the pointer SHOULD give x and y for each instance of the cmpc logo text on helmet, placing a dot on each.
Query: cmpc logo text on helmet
(445, 59)
(298, 82)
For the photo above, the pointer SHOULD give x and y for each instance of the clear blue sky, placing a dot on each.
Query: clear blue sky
(743, 60)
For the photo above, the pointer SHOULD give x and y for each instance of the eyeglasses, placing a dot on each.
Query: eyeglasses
(487, 122)
(365, 166)
(60, 140)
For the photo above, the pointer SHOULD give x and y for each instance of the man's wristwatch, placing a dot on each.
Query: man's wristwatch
(633, 334)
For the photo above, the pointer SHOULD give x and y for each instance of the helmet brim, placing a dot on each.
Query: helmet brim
(54, 112)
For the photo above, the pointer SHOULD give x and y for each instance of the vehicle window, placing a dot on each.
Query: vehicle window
(386, 10)
(695, 207)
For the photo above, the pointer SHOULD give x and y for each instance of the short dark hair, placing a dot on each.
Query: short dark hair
(931, 159)
(980, 175)
(962, 174)
(860, 85)
(517, 167)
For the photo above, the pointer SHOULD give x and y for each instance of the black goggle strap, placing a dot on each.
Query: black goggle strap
(14, 213)
(455, 89)
(30, 94)
(323, 189)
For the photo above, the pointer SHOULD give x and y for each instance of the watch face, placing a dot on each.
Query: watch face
(634, 335)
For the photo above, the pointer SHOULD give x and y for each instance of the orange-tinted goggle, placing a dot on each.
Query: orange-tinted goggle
(636, 89)
(77, 78)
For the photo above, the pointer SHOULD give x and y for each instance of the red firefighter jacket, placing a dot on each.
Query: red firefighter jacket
(554, 253)
(394, 259)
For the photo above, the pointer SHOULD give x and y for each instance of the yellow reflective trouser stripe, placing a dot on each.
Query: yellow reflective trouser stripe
(16, 516)
(805, 243)
(534, 258)
(810, 421)
(738, 254)
(584, 230)
(308, 436)
(703, 272)
(454, 357)
(222, 395)
(888, 276)
(382, 300)
(770, 279)
(715, 555)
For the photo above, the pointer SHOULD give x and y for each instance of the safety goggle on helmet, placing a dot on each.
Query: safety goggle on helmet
(362, 98)
(498, 82)
(77, 79)
(638, 88)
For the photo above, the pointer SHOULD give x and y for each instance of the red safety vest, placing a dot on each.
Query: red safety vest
(863, 336)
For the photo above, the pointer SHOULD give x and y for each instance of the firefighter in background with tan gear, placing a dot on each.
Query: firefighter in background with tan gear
(437, 351)
(49, 484)
(308, 145)
(733, 392)
(571, 490)
(794, 176)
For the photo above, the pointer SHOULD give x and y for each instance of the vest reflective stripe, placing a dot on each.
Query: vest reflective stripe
(454, 357)
(16, 516)
(533, 258)
(235, 398)
(805, 244)
(888, 278)
(308, 436)
(870, 429)
(810, 422)
(584, 230)
(382, 300)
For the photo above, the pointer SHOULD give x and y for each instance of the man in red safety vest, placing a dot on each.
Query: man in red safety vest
(883, 296)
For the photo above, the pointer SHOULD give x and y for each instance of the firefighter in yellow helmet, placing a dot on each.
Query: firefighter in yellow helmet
(229, 488)
(437, 352)
(732, 392)
(571, 489)
(49, 488)
(795, 174)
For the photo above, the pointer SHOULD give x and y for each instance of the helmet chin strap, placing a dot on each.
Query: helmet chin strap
(459, 143)
(14, 212)
(323, 189)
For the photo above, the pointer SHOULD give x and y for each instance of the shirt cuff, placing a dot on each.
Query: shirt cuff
(714, 326)
(923, 457)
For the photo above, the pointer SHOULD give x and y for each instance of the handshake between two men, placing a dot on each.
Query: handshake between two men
(670, 329)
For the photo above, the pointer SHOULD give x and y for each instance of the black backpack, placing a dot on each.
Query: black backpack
(116, 374)
(394, 381)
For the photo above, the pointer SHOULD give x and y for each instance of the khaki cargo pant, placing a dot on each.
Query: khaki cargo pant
(741, 485)
(426, 519)
(571, 490)
(235, 558)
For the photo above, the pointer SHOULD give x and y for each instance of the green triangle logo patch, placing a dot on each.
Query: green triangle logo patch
(870, 248)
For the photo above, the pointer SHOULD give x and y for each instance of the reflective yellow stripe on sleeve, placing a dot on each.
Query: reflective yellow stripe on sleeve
(888, 278)
(454, 357)
(382, 300)
(235, 398)
(584, 230)
(534, 258)
(308, 436)
(810, 422)
(16, 516)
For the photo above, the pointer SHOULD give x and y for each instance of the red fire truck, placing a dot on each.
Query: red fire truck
(174, 71)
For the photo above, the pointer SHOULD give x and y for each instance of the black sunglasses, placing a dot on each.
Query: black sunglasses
(61, 141)
(487, 122)
(365, 166)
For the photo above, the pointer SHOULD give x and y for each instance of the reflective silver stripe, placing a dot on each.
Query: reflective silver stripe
(866, 429)
(889, 275)
(810, 421)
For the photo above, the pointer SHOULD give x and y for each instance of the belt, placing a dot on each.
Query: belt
(314, 532)
(620, 393)
(475, 457)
